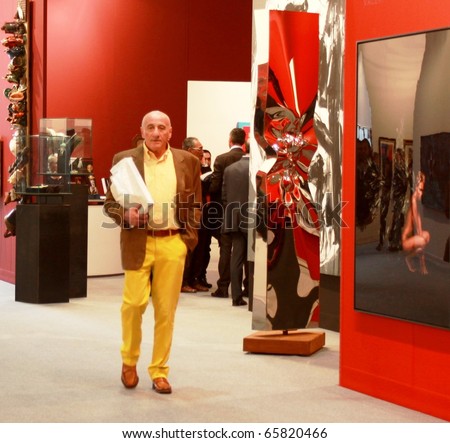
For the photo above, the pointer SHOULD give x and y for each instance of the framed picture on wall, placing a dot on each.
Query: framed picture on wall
(386, 148)
(407, 145)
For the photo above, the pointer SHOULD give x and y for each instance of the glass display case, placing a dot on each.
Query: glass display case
(52, 180)
(50, 162)
(64, 152)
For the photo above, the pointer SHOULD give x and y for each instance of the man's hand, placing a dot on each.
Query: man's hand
(135, 217)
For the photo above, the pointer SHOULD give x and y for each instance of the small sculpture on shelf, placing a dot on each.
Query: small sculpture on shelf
(53, 178)
(93, 190)
(92, 186)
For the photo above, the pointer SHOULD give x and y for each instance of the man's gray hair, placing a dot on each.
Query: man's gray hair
(188, 143)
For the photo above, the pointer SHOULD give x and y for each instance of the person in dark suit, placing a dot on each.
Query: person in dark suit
(237, 223)
(202, 253)
(154, 244)
(236, 142)
(191, 276)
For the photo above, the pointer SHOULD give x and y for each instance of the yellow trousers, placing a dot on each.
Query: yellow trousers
(160, 277)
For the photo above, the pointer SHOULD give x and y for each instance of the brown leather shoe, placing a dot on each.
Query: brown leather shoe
(188, 289)
(201, 288)
(162, 386)
(129, 377)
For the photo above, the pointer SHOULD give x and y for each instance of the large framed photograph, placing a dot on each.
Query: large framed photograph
(386, 149)
(409, 154)
(402, 258)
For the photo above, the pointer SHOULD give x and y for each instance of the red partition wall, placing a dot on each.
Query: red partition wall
(394, 360)
(114, 60)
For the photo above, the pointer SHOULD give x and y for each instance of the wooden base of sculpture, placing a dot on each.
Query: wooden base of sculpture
(284, 342)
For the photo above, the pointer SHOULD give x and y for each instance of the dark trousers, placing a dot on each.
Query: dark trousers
(225, 245)
(201, 255)
(238, 264)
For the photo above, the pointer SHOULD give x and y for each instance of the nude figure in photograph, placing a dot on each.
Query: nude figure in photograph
(414, 238)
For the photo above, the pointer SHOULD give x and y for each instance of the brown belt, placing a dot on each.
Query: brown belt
(162, 232)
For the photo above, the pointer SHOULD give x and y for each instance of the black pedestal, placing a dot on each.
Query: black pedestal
(42, 253)
(78, 202)
(51, 247)
(329, 302)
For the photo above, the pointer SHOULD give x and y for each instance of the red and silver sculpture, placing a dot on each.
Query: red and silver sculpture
(284, 128)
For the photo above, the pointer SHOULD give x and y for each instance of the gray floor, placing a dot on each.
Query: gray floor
(61, 364)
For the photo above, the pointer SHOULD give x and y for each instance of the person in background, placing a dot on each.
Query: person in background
(237, 223)
(203, 250)
(190, 283)
(154, 245)
(206, 161)
(236, 143)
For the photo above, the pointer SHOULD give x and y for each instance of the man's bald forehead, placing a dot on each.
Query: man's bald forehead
(156, 114)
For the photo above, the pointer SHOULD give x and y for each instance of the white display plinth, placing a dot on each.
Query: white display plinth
(103, 244)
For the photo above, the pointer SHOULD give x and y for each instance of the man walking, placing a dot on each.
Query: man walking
(154, 245)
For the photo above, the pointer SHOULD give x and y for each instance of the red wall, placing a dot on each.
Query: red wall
(114, 60)
(397, 361)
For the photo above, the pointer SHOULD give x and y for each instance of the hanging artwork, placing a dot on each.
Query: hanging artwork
(15, 43)
(368, 181)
